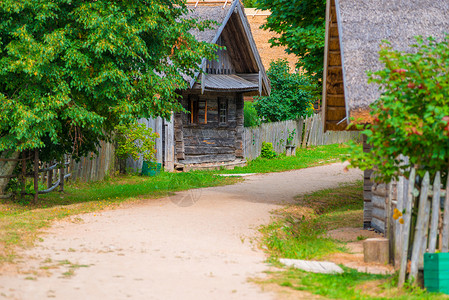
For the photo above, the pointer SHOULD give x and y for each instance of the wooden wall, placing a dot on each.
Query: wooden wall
(214, 141)
(334, 106)
(367, 190)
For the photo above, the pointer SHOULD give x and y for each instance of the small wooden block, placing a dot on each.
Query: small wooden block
(376, 250)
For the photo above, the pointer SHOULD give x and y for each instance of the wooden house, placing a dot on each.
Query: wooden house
(212, 133)
(354, 31)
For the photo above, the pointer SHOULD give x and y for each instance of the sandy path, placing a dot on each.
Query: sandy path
(200, 246)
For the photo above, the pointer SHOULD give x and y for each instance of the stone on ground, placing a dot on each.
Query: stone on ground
(325, 267)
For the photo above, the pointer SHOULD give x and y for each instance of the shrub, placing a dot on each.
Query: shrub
(412, 115)
(136, 140)
(267, 151)
(251, 118)
(292, 95)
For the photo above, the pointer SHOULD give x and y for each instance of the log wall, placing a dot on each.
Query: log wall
(214, 141)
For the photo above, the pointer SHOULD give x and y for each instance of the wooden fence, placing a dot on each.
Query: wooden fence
(305, 132)
(94, 167)
(416, 222)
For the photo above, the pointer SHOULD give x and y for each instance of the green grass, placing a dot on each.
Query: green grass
(305, 157)
(348, 285)
(298, 232)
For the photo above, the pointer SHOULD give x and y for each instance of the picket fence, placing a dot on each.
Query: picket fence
(306, 132)
(416, 223)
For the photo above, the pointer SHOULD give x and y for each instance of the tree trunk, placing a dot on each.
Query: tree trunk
(7, 168)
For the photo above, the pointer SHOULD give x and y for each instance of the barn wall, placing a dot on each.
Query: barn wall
(212, 142)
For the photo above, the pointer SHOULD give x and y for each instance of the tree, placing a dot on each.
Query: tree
(70, 70)
(292, 95)
(412, 115)
(301, 28)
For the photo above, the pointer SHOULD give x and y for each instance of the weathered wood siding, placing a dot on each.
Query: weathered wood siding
(213, 141)
(223, 64)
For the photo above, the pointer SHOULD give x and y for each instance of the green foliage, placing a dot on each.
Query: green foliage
(291, 136)
(251, 118)
(71, 70)
(249, 3)
(292, 95)
(135, 140)
(301, 28)
(267, 151)
(412, 115)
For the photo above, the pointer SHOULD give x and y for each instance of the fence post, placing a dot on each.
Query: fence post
(36, 175)
(445, 235)
(435, 213)
(61, 175)
(419, 231)
(406, 231)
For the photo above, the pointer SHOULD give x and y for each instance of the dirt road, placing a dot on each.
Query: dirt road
(196, 245)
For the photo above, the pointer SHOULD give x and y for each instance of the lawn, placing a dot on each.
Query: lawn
(21, 222)
(298, 231)
(305, 157)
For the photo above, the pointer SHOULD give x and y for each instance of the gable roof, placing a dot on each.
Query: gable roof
(229, 17)
(354, 31)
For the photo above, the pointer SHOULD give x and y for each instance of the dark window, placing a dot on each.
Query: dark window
(198, 110)
(222, 110)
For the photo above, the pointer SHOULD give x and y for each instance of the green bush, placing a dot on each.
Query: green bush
(136, 140)
(292, 95)
(411, 117)
(267, 151)
(251, 118)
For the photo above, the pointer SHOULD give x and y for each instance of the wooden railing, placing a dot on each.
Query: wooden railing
(41, 171)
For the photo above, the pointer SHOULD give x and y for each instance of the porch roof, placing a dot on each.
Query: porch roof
(231, 82)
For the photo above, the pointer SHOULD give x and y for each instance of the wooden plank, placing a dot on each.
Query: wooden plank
(401, 194)
(419, 230)
(435, 213)
(406, 230)
(445, 229)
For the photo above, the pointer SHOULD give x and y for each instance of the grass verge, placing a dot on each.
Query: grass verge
(304, 158)
(299, 232)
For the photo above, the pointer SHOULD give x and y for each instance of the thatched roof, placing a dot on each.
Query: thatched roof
(362, 26)
(230, 17)
(214, 13)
